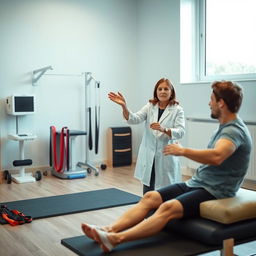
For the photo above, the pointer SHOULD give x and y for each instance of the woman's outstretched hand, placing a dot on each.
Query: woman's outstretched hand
(120, 100)
(117, 98)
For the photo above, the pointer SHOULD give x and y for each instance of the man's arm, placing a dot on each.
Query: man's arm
(222, 150)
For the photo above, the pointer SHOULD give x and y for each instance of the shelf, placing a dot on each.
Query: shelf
(21, 137)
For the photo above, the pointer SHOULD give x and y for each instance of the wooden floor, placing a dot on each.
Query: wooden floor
(42, 237)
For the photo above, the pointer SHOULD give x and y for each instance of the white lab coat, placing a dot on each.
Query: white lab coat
(167, 168)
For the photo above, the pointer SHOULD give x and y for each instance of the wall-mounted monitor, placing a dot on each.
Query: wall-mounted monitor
(20, 105)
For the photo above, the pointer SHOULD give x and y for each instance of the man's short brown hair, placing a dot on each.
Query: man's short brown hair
(230, 92)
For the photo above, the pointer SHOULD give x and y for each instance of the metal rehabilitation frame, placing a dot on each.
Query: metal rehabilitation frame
(87, 79)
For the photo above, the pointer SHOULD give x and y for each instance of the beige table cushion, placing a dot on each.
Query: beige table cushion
(230, 210)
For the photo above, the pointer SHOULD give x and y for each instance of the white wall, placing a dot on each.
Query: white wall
(158, 55)
(157, 48)
(72, 36)
(128, 45)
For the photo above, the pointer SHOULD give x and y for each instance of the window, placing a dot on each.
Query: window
(218, 40)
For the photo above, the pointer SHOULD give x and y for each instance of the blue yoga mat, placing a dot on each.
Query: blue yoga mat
(73, 203)
(163, 243)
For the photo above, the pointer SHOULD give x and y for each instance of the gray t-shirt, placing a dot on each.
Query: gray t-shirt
(225, 179)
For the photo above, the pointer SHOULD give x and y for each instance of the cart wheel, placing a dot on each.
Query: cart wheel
(38, 175)
(103, 166)
(89, 170)
(9, 178)
(96, 173)
(6, 172)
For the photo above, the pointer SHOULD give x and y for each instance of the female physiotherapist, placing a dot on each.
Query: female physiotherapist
(164, 121)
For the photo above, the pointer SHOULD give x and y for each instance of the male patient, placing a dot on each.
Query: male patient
(224, 165)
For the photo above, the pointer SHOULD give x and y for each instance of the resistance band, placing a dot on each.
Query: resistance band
(67, 149)
(90, 121)
(97, 116)
(90, 128)
(58, 165)
(13, 217)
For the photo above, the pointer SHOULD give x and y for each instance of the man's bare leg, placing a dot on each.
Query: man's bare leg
(169, 210)
(151, 200)
(136, 214)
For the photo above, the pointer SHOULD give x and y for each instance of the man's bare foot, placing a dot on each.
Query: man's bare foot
(87, 229)
(101, 237)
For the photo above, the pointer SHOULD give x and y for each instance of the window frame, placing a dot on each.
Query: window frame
(200, 51)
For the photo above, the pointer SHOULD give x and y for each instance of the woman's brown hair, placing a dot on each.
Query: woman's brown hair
(172, 100)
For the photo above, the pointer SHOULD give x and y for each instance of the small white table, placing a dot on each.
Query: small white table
(22, 177)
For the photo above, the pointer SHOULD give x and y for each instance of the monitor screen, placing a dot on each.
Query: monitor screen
(24, 104)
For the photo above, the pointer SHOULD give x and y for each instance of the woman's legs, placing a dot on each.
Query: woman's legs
(152, 181)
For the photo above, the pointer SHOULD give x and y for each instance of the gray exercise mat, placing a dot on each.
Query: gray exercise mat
(73, 203)
(164, 243)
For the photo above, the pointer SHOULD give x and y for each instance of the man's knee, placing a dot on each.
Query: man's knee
(172, 209)
(152, 199)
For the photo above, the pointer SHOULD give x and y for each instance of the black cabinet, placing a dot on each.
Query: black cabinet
(119, 146)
